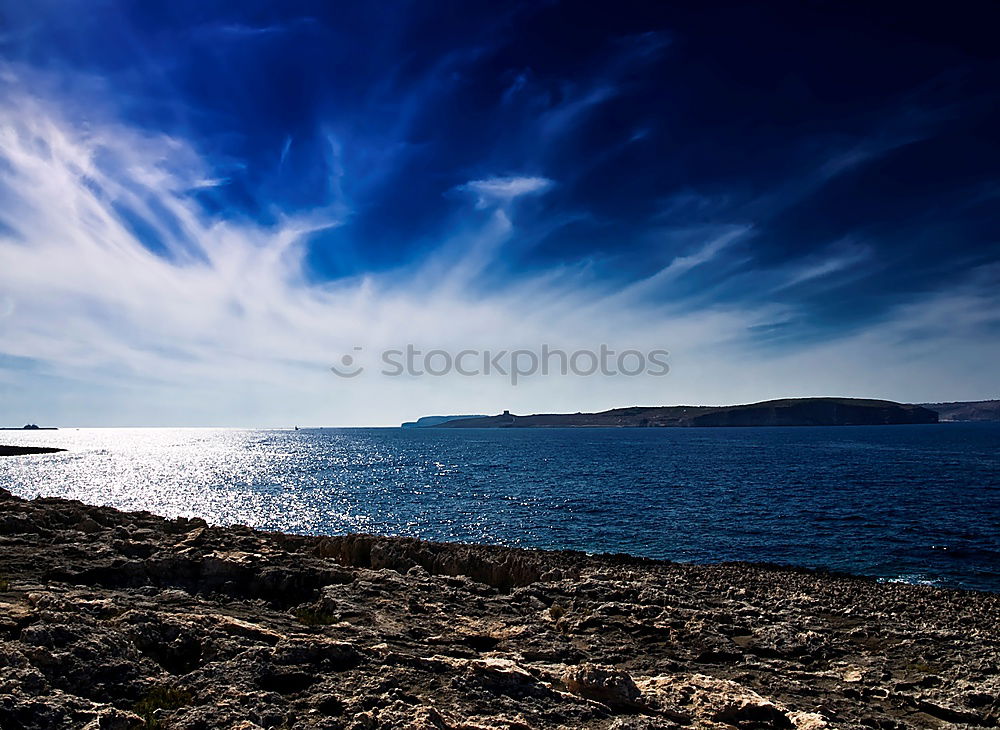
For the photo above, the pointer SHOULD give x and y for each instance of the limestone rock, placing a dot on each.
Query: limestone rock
(604, 684)
(110, 620)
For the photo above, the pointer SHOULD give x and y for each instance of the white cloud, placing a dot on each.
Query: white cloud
(502, 190)
(844, 255)
(719, 238)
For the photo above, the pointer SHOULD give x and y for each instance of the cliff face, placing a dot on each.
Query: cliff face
(426, 421)
(817, 412)
(784, 412)
(126, 621)
(980, 410)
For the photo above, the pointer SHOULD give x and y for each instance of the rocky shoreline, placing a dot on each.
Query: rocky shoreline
(128, 620)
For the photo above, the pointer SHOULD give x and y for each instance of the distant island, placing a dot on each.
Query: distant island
(428, 421)
(782, 412)
(29, 427)
(976, 410)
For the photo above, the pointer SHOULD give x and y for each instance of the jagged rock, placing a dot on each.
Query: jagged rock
(808, 720)
(113, 719)
(643, 722)
(607, 685)
(709, 699)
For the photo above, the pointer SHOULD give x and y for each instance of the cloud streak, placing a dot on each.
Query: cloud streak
(504, 190)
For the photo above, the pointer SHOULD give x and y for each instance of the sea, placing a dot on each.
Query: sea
(918, 504)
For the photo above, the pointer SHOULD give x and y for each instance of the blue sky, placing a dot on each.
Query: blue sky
(204, 205)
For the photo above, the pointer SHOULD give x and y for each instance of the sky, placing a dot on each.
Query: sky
(206, 206)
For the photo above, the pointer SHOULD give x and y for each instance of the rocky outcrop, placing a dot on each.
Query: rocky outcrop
(27, 450)
(127, 620)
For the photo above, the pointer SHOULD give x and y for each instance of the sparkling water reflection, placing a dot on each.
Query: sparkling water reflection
(918, 503)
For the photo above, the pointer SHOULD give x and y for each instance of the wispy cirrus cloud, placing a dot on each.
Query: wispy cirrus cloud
(453, 183)
(219, 306)
(224, 310)
(845, 255)
(504, 190)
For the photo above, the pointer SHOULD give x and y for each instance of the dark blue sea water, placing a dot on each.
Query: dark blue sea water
(913, 503)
